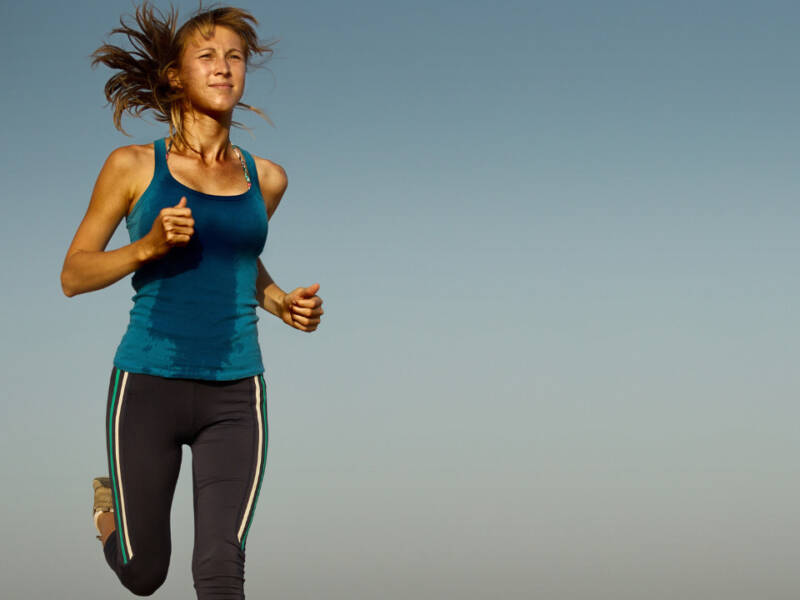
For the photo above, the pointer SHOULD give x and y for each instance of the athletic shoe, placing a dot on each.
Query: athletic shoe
(103, 502)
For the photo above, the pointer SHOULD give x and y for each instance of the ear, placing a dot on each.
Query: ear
(174, 80)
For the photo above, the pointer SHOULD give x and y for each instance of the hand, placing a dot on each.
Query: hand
(302, 308)
(174, 226)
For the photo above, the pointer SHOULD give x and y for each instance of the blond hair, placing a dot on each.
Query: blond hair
(141, 82)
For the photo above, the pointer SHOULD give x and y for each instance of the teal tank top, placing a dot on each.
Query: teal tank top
(194, 310)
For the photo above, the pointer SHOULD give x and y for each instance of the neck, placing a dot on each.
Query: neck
(208, 138)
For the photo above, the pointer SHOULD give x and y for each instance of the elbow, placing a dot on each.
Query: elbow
(67, 286)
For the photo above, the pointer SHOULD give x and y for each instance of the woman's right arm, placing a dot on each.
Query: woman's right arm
(88, 266)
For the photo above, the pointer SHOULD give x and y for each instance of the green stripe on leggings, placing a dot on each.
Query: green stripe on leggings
(113, 468)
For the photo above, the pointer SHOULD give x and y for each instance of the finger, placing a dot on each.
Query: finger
(179, 221)
(180, 231)
(308, 302)
(171, 224)
(303, 307)
(171, 211)
(297, 324)
(307, 312)
(304, 327)
(310, 290)
(178, 239)
(182, 202)
(305, 320)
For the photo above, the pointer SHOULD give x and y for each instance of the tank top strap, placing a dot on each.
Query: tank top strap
(160, 147)
(251, 167)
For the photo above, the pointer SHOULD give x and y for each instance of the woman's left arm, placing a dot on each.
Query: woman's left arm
(301, 308)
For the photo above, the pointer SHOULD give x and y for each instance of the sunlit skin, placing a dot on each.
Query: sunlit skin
(211, 72)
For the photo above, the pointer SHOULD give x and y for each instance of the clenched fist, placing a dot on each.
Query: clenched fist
(174, 226)
(302, 308)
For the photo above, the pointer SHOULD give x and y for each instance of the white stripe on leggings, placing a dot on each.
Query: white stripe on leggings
(258, 460)
(123, 516)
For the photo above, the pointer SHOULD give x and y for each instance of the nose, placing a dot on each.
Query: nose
(222, 66)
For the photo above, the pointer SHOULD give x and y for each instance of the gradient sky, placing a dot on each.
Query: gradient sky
(557, 246)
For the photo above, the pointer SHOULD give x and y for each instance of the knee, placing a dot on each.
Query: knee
(144, 577)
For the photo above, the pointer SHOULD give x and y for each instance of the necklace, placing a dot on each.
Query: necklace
(244, 166)
(238, 152)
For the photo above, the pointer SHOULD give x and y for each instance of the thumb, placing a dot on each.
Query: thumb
(301, 292)
(182, 203)
(310, 290)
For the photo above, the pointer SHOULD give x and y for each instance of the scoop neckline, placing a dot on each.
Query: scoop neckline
(192, 190)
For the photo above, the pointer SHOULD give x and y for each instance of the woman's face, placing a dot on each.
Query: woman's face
(212, 71)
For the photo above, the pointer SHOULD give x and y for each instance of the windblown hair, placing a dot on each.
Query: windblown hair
(142, 84)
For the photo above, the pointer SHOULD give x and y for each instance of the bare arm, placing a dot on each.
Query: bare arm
(269, 296)
(301, 308)
(87, 265)
(273, 183)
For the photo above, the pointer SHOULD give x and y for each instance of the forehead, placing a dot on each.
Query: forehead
(218, 36)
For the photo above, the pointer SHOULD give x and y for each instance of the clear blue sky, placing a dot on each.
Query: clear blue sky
(557, 245)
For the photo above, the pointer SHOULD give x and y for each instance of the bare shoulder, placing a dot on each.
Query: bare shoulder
(113, 194)
(132, 160)
(273, 181)
(271, 175)
(130, 168)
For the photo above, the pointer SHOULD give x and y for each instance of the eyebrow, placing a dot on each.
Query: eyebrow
(212, 49)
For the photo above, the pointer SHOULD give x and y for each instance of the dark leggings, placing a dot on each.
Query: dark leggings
(147, 420)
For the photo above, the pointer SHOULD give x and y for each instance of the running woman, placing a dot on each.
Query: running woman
(188, 369)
